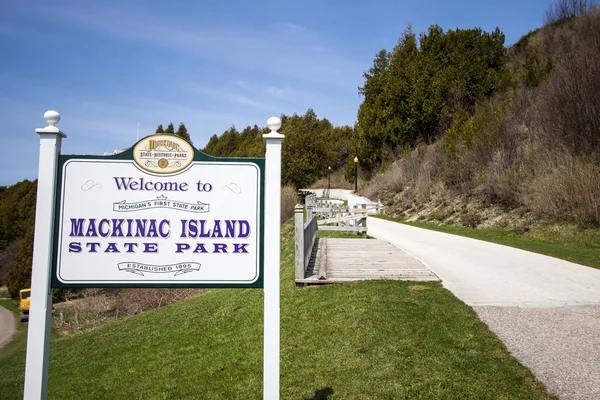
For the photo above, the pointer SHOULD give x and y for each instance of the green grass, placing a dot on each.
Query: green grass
(366, 340)
(567, 242)
(12, 355)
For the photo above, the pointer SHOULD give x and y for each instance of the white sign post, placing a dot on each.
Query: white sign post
(38, 335)
(160, 214)
(272, 259)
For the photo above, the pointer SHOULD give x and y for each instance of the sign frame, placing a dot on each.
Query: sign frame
(128, 155)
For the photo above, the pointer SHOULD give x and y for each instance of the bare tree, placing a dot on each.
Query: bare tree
(568, 8)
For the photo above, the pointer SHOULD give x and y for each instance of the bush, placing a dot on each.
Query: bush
(471, 219)
(568, 108)
(289, 199)
(19, 276)
(565, 188)
(94, 307)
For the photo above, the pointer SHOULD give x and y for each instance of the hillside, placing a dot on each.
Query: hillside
(457, 125)
(385, 339)
(527, 154)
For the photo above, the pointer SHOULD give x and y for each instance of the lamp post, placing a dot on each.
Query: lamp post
(355, 174)
(329, 178)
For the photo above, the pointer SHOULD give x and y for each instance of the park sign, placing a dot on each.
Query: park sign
(160, 214)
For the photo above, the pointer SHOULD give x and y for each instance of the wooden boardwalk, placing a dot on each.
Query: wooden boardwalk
(348, 260)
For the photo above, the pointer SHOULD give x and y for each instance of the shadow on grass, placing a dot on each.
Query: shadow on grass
(321, 394)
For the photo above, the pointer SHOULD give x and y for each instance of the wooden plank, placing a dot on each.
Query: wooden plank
(322, 260)
(348, 260)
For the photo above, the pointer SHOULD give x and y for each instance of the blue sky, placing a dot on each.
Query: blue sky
(106, 66)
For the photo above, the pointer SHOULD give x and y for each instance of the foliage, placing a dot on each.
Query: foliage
(412, 94)
(248, 143)
(17, 214)
(17, 209)
(567, 110)
(19, 276)
(182, 131)
(534, 71)
(311, 145)
(535, 147)
(306, 150)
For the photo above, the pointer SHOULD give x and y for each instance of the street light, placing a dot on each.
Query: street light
(355, 174)
(329, 178)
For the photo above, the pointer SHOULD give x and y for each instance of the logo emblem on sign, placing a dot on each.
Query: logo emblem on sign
(163, 154)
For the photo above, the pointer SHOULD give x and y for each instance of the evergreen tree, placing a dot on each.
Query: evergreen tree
(19, 276)
(183, 133)
(306, 150)
(412, 94)
(160, 129)
(170, 128)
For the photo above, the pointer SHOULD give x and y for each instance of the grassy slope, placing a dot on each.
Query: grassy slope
(383, 340)
(567, 242)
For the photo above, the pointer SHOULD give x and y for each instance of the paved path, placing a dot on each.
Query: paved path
(7, 326)
(546, 311)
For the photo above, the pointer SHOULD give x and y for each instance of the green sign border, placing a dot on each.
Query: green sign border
(128, 155)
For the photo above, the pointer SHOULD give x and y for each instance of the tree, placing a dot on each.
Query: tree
(311, 145)
(170, 128)
(564, 9)
(160, 129)
(534, 71)
(306, 150)
(183, 133)
(412, 93)
(19, 276)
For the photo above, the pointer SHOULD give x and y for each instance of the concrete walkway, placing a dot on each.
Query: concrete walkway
(546, 310)
(7, 326)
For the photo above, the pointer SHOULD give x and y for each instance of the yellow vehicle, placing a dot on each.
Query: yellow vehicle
(24, 298)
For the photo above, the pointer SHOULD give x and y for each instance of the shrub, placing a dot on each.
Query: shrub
(289, 199)
(95, 307)
(471, 219)
(568, 108)
(565, 188)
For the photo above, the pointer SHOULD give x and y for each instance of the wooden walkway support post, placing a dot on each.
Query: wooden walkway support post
(364, 221)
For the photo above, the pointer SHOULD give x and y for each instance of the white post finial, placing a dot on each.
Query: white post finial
(274, 124)
(51, 117)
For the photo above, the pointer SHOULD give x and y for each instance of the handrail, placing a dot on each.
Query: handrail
(305, 236)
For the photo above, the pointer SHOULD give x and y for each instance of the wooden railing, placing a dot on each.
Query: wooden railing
(343, 218)
(305, 234)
